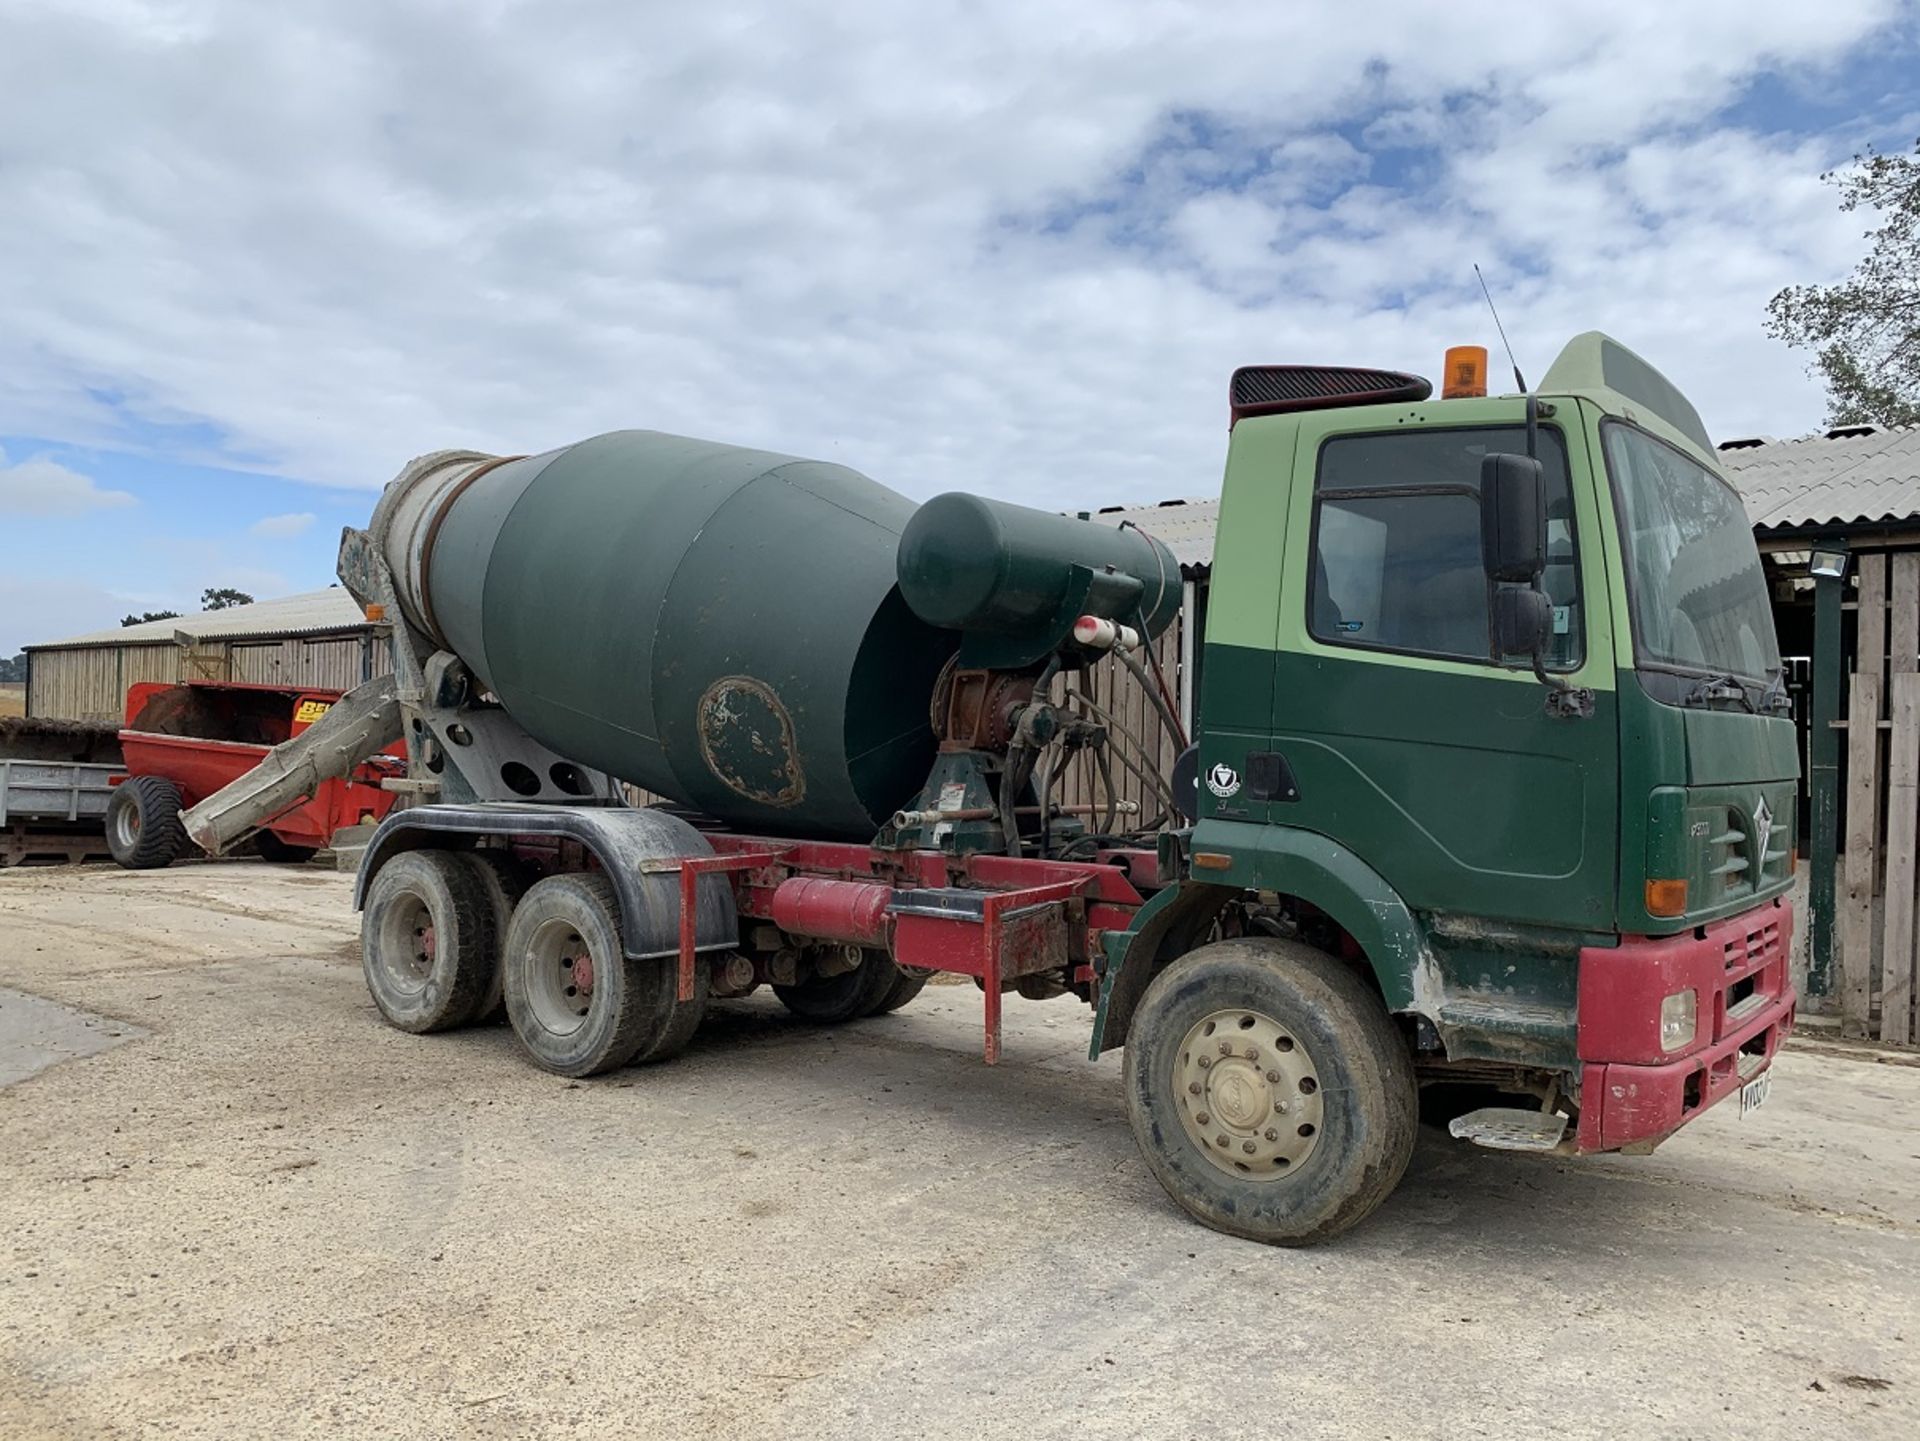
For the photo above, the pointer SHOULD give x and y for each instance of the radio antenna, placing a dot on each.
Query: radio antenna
(1519, 381)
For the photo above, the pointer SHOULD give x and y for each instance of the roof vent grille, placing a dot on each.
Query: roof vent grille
(1851, 432)
(1274, 389)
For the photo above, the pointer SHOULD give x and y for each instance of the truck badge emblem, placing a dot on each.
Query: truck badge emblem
(1762, 830)
(1223, 780)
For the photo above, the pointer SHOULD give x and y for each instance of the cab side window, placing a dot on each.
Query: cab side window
(1396, 544)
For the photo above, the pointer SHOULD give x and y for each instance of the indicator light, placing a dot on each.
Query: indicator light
(1666, 898)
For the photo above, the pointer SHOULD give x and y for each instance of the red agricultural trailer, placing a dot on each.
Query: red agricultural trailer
(182, 742)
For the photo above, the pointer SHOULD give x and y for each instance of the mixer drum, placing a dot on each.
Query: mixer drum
(718, 625)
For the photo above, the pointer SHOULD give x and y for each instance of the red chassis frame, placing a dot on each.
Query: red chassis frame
(1019, 917)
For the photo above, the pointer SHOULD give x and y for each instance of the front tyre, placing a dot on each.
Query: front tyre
(1269, 1091)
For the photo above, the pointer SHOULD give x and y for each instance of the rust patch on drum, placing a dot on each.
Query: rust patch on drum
(746, 738)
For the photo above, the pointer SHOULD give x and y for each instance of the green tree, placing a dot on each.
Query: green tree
(13, 669)
(223, 597)
(1865, 331)
(147, 615)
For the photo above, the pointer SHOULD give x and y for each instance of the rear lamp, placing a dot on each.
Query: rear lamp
(1679, 1019)
(1666, 898)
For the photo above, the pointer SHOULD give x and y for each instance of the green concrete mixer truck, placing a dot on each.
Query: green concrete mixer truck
(1491, 797)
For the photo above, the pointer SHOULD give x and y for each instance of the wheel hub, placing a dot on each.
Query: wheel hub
(1249, 1094)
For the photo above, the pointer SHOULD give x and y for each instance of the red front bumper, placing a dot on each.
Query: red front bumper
(1632, 1091)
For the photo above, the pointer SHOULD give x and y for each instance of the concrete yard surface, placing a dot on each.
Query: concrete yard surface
(261, 1212)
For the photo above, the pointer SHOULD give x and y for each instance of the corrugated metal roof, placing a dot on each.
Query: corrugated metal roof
(1850, 474)
(1185, 527)
(313, 613)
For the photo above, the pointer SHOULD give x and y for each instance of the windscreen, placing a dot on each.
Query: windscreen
(1698, 595)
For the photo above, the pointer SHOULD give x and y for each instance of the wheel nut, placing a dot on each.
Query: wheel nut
(1205, 1061)
(1193, 1088)
(1247, 1146)
(1226, 1048)
(1203, 1118)
(1272, 1135)
(1221, 1142)
(1273, 1078)
(1281, 1107)
(1253, 1053)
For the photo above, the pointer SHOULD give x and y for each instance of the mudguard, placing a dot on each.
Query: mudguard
(1282, 859)
(635, 846)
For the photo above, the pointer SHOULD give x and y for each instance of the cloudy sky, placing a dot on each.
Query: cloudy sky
(253, 256)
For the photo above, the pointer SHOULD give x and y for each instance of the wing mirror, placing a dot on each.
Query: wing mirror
(1513, 518)
(1522, 622)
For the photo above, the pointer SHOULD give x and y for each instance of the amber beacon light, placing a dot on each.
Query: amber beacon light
(1465, 372)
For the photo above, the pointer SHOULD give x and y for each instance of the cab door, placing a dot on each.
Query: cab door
(1403, 736)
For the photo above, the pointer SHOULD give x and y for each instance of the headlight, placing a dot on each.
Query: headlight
(1679, 1019)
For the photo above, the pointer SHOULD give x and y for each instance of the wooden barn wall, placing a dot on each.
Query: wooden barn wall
(330, 663)
(90, 683)
(1136, 734)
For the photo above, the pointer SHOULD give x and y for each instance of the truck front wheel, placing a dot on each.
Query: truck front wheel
(1269, 1091)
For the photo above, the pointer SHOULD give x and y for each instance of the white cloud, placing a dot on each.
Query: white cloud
(282, 527)
(41, 487)
(333, 241)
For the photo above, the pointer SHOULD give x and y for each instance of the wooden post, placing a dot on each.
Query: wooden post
(1823, 782)
(1898, 959)
(1863, 851)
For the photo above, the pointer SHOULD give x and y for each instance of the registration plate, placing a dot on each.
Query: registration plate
(1754, 1094)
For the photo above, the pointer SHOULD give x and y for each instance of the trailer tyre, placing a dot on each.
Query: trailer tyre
(1269, 1091)
(904, 986)
(577, 1003)
(834, 1000)
(427, 943)
(143, 823)
(272, 848)
(505, 881)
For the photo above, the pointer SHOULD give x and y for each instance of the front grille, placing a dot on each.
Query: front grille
(1729, 851)
(1758, 946)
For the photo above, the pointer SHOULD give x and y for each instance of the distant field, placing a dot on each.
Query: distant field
(13, 700)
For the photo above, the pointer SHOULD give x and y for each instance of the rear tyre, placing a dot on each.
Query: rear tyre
(505, 881)
(143, 823)
(1269, 1091)
(835, 1000)
(577, 1004)
(427, 941)
(272, 848)
(903, 988)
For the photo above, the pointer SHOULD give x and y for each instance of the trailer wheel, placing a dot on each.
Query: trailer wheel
(143, 823)
(1269, 1091)
(834, 1000)
(272, 848)
(505, 881)
(577, 1003)
(904, 986)
(427, 941)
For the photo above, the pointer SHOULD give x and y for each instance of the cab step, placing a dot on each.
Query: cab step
(1500, 1128)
